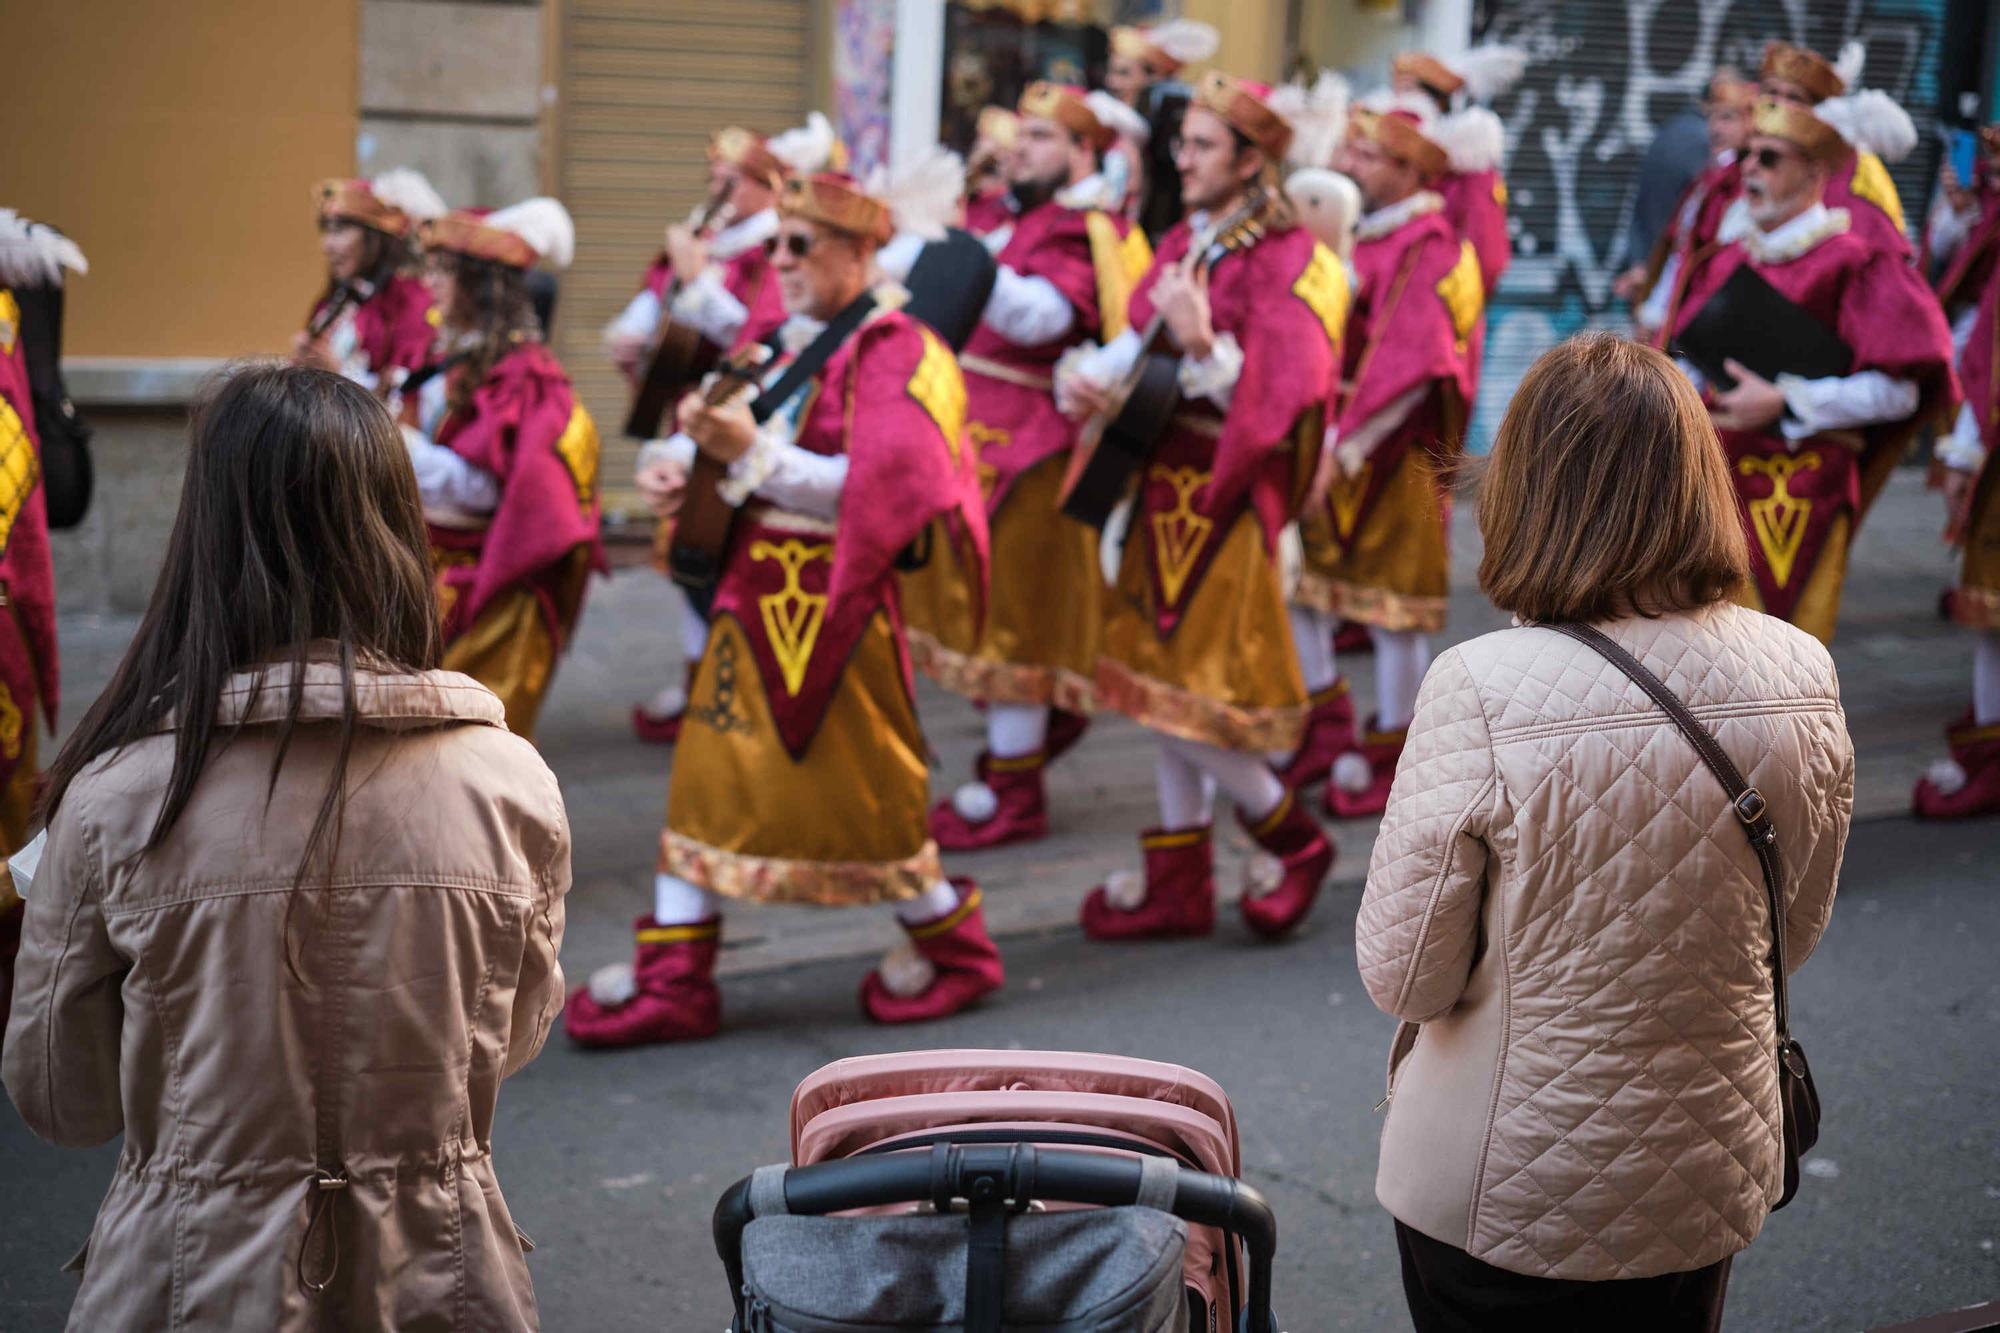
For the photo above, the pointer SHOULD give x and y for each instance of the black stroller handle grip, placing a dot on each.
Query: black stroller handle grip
(1060, 1176)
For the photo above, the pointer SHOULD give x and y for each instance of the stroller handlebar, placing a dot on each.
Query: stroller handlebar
(1021, 1173)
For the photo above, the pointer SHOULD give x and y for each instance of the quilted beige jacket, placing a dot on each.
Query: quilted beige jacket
(155, 996)
(1570, 922)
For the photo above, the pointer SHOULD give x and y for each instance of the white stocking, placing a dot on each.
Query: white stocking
(1014, 730)
(679, 903)
(1187, 795)
(672, 699)
(1312, 640)
(694, 631)
(1986, 678)
(940, 900)
(1247, 779)
(1401, 657)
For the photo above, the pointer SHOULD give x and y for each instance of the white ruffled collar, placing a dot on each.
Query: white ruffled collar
(744, 233)
(1794, 238)
(1382, 221)
(1093, 191)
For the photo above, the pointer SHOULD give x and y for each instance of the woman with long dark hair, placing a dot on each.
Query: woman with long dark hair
(505, 455)
(297, 911)
(374, 322)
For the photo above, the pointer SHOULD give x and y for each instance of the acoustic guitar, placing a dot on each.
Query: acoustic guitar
(681, 356)
(1114, 445)
(703, 524)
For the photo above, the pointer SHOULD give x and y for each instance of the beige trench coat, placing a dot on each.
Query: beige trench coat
(1571, 923)
(253, 1040)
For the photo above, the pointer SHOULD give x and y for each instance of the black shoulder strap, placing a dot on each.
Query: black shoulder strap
(815, 356)
(1744, 799)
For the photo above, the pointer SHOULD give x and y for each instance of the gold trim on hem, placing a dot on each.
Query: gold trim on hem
(997, 682)
(1369, 606)
(774, 879)
(1193, 717)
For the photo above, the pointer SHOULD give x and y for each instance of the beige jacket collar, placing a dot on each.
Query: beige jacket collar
(389, 700)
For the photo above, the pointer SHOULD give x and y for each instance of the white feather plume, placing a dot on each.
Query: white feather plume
(806, 149)
(1414, 104)
(924, 196)
(1116, 116)
(406, 188)
(1871, 121)
(1185, 40)
(33, 252)
(1853, 58)
(1490, 70)
(1474, 139)
(1317, 115)
(544, 224)
(1328, 203)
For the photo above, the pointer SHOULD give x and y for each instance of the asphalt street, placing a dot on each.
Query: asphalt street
(613, 1161)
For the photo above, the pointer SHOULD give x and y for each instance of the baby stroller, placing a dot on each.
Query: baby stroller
(988, 1191)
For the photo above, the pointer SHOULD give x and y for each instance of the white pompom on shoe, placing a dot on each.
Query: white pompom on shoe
(1352, 773)
(613, 986)
(975, 803)
(906, 973)
(1125, 890)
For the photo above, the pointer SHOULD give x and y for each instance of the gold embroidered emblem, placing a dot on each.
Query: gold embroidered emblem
(1323, 287)
(1463, 293)
(18, 469)
(940, 390)
(10, 322)
(1871, 182)
(1499, 189)
(579, 448)
(792, 616)
(981, 435)
(1779, 519)
(1178, 534)
(1344, 497)
(10, 724)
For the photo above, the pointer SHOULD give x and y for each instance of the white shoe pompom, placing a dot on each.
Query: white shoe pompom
(1947, 776)
(975, 803)
(1125, 890)
(906, 973)
(1352, 773)
(669, 702)
(613, 986)
(1262, 874)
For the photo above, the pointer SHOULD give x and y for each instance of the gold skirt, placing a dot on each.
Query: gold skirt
(845, 824)
(1818, 607)
(509, 648)
(1044, 605)
(1395, 571)
(1977, 601)
(1227, 675)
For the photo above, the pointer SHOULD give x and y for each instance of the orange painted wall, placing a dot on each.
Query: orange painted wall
(178, 143)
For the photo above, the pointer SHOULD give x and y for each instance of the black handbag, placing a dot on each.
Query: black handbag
(65, 436)
(1798, 1099)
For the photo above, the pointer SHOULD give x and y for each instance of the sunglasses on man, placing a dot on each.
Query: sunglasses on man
(797, 245)
(1770, 158)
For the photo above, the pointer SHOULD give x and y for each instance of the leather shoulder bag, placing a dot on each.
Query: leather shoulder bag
(1798, 1100)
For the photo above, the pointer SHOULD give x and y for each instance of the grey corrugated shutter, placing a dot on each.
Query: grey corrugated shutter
(1601, 77)
(644, 84)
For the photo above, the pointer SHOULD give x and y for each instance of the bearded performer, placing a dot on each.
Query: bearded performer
(375, 322)
(1800, 449)
(1196, 645)
(1873, 127)
(505, 456)
(1143, 62)
(1697, 221)
(1066, 272)
(1472, 187)
(1374, 534)
(1967, 782)
(32, 256)
(714, 276)
(801, 776)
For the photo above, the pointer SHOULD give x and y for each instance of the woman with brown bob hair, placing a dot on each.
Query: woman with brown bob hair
(1563, 910)
(297, 910)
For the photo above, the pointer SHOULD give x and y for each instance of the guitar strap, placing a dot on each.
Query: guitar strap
(813, 358)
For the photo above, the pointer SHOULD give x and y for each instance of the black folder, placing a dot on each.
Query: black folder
(1751, 322)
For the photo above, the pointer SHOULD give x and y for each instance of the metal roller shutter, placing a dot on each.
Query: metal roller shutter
(644, 84)
(1601, 77)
